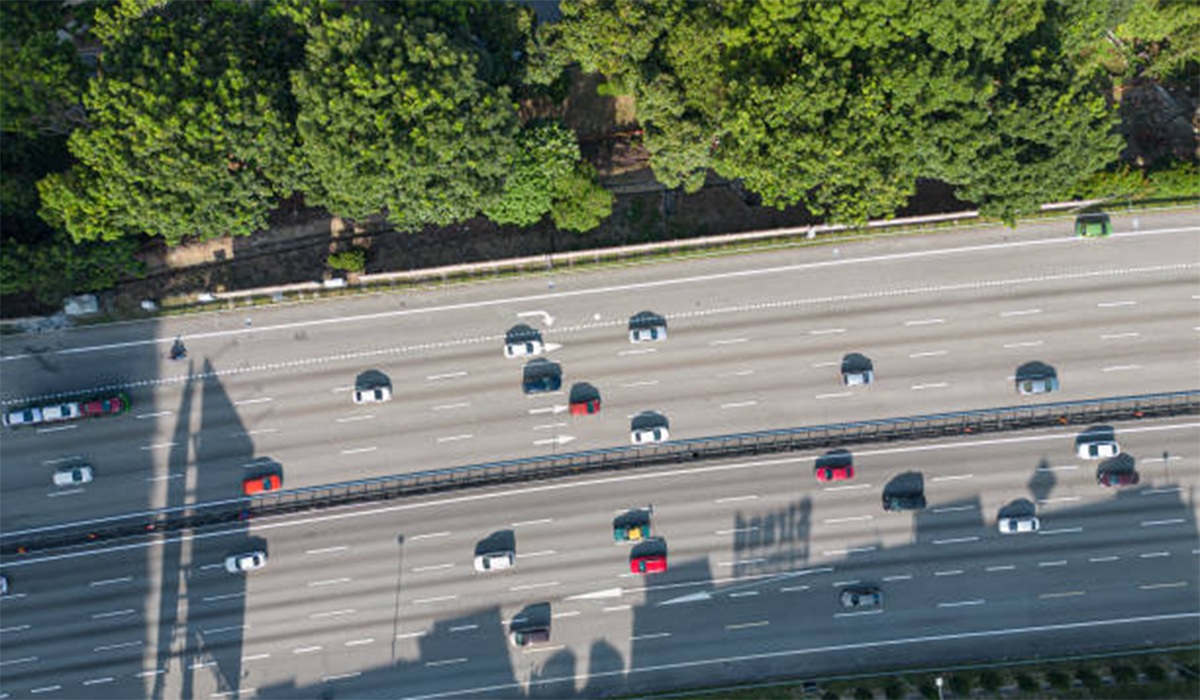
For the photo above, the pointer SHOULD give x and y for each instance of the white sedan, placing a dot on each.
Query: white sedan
(249, 561)
(378, 394)
(1024, 523)
(647, 435)
(73, 476)
(524, 348)
(648, 334)
(1098, 449)
(495, 561)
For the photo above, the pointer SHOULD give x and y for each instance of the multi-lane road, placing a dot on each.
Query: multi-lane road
(382, 601)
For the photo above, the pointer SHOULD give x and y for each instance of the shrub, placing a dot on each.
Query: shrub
(1124, 674)
(352, 260)
(1089, 678)
(960, 683)
(928, 690)
(1154, 672)
(893, 690)
(1058, 679)
(861, 693)
(830, 695)
(990, 681)
(1026, 683)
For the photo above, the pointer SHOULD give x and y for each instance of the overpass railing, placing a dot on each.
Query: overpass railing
(919, 427)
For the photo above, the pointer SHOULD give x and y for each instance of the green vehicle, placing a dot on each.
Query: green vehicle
(1094, 225)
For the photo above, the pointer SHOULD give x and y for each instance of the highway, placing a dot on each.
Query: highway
(755, 342)
(382, 601)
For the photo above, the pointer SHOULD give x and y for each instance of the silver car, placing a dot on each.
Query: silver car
(1018, 524)
(73, 476)
(1039, 385)
(249, 561)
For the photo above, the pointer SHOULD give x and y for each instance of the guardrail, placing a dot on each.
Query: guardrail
(919, 427)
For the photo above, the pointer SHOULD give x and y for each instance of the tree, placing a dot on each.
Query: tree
(60, 267)
(580, 203)
(393, 116)
(190, 125)
(41, 77)
(546, 154)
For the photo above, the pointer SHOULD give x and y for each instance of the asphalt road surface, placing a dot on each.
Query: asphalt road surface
(382, 601)
(755, 342)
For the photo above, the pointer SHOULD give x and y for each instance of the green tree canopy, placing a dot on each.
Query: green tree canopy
(393, 115)
(191, 125)
(580, 203)
(41, 77)
(546, 154)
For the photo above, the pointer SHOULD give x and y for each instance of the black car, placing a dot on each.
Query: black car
(903, 501)
(542, 383)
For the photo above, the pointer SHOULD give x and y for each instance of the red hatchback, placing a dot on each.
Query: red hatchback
(585, 408)
(842, 473)
(261, 484)
(649, 564)
(1118, 478)
(108, 406)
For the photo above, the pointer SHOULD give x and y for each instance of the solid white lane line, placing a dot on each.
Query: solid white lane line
(332, 613)
(306, 650)
(1118, 336)
(1061, 531)
(924, 322)
(837, 395)
(111, 581)
(952, 509)
(351, 419)
(1022, 312)
(736, 530)
(1120, 368)
(436, 599)
(156, 414)
(328, 550)
(1027, 344)
(452, 406)
(851, 519)
(851, 550)
(931, 353)
(114, 613)
(656, 635)
(741, 562)
(430, 535)
(1059, 562)
(898, 577)
(1152, 586)
(956, 540)
(448, 375)
(961, 603)
(446, 662)
(1113, 304)
(1153, 523)
(543, 553)
(1064, 594)
(935, 385)
(827, 331)
(455, 438)
(739, 404)
(1001, 567)
(1100, 559)
(359, 450)
(359, 642)
(734, 499)
(530, 586)
(432, 567)
(250, 402)
(542, 521)
(954, 477)
(730, 341)
(746, 625)
(328, 582)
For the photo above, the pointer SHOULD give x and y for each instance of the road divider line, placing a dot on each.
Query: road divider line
(351, 419)
(1155, 523)
(835, 395)
(948, 572)
(827, 331)
(634, 385)
(1064, 594)
(1058, 562)
(359, 450)
(1022, 312)
(306, 650)
(957, 540)
(930, 353)
(739, 404)
(850, 487)
(742, 562)
(1118, 336)
(743, 594)
(158, 445)
(1154, 586)
(429, 536)
(251, 402)
(114, 613)
(464, 628)
(736, 530)
(68, 492)
(411, 635)
(446, 662)
(640, 351)
(851, 582)
(1120, 368)
(1060, 499)
(332, 613)
(530, 555)
(156, 414)
(1061, 531)
(953, 509)
(58, 429)
(327, 550)
(448, 375)
(748, 625)
(24, 660)
(1103, 559)
(341, 676)
(432, 567)
(851, 550)
(359, 642)
(655, 635)
(111, 581)
(936, 385)
(436, 599)
(98, 681)
(790, 589)
(452, 406)
(531, 586)
(1114, 304)
(327, 582)
(859, 613)
(455, 438)
(526, 523)
(898, 577)
(954, 477)
(617, 608)
(1001, 567)
(961, 603)
(730, 341)
(851, 519)
(734, 499)
(569, 613)
(1154, 555)
(924, 322)
(121, 645)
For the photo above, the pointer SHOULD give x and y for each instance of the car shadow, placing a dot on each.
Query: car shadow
(499, 541)
(522, 333)
(372, 379)
(583, 391)
(648, 420)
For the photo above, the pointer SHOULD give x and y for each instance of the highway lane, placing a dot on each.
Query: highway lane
(752, 356)
(758, 551)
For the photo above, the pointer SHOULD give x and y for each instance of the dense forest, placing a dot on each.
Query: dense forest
(190, 120)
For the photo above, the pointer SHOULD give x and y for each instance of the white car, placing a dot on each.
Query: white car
(60, 412)
(1023, 523)
(495, 561)
(1098, 449)
(378, 394)
(524, 348)
(250, 561)
(73, 476)
(645, 435)
(861, 378)
(24, 416)
(648, 334)
(3, 585)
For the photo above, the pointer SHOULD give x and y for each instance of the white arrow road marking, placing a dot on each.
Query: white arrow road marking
(551, 347)
(546, 318)
(548, 409)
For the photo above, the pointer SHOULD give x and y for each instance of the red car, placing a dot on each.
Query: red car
(650, 564)
(107, 406)
(585, 408)
(841, 473)
(261, 484)
(1118, 478)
